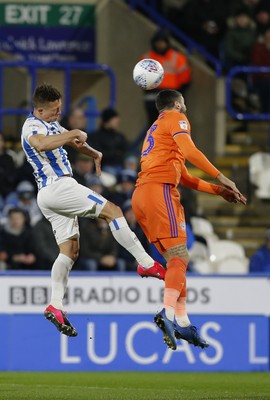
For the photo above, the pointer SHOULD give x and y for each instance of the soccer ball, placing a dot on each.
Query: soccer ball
(148, 74)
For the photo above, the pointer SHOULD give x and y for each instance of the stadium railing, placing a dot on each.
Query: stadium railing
(245, 116)
(152, 13)
(247, 70)
(150, 9)
(67, 69)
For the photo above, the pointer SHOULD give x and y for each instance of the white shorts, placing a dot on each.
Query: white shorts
(64, 201)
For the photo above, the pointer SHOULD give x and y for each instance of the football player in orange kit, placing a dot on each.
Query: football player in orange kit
(156, 204)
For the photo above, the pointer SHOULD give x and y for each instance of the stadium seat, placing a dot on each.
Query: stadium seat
(263, 185)
(203, 227)
(259, 174)
(228, 257)
(199, 259)
(258, 162)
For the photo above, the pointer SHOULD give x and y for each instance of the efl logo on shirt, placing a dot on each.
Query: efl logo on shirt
(183, 125)
(183, 226)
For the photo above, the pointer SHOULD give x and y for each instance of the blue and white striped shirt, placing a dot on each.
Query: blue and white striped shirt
(48, 165)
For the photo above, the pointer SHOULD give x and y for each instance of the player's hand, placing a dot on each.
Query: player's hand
(81, 136)
(232, 197)
(97, 161)
(227, 183)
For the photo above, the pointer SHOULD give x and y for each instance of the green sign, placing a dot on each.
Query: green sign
(57, 15)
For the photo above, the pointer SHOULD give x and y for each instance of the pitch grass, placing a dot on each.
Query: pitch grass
(133, 386)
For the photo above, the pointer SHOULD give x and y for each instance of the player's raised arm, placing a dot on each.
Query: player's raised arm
(46, 143)
(89, 151)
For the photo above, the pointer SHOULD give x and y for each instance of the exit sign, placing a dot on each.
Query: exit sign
(36, 14)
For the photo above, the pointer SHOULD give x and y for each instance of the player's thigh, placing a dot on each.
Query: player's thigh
(139, 200)
(158, 208)
(149, 209)
(64, 227)
(68, 198)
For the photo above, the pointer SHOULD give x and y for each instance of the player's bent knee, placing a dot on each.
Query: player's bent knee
(75, 255)
(70, 248)
(179, 251)
(110, 212)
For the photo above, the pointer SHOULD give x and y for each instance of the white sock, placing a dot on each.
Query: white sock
(59, 275)
(124, 236)
(169, 312)
(183, 321)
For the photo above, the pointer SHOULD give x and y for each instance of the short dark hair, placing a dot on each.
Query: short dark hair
(107, 114)
(167, 98)
(15, 210)
(45, 93)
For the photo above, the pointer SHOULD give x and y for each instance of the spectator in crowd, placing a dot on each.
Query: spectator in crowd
(110, 141)
(172, 9)
(100, 253)
(17, 242)
(24, 171)
(249, 6)
(124, 255)
(83, 168)
(24, 198)
(91, 255)
(260, 57)
(262, 17)
(205, 22)
(132, 162)
(75, 119)
(7, 171)
(95, 183)
(84, 173)
(177, 70)
(126, 186)
(239, 39)
(46, 246)
(260, 261)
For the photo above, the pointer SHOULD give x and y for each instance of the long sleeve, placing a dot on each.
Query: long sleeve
(195, 183)
(194, 155)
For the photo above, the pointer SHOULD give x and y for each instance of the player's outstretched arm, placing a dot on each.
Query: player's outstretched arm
(197, 158)
(193, 182)
(196, 183)
(194, 155)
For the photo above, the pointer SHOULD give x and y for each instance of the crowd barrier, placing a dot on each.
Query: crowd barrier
(113, 314)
